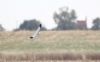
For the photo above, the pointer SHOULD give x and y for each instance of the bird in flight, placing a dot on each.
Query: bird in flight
(37, 32)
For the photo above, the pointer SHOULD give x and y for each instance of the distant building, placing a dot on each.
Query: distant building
(81, 24)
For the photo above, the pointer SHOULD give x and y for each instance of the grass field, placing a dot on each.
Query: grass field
(55, 43)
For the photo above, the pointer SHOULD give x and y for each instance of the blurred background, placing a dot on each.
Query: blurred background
(52, 14)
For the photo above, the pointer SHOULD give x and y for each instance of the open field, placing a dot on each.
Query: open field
(58, 46)
(51, 41)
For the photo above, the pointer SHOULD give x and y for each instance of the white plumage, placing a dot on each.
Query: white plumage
(37, 32)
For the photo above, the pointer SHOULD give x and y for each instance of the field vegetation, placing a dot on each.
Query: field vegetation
(50, 46)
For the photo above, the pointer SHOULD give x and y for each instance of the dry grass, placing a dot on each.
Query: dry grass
(51, 57)
(51, 41)
(50, 46)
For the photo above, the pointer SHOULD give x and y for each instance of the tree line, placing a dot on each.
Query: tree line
(65, 20)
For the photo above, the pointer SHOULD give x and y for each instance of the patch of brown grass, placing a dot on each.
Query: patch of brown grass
(50, 57)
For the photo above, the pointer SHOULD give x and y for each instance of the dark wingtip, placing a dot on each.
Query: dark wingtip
(31, 37)
(40, 25)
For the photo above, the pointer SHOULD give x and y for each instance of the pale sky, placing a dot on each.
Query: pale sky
(14, 12)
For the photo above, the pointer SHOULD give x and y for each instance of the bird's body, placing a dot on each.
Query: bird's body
(37, 32)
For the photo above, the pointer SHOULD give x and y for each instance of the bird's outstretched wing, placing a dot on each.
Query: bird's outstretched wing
(37, 32)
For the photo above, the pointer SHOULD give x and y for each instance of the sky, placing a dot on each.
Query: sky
(14, 12)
